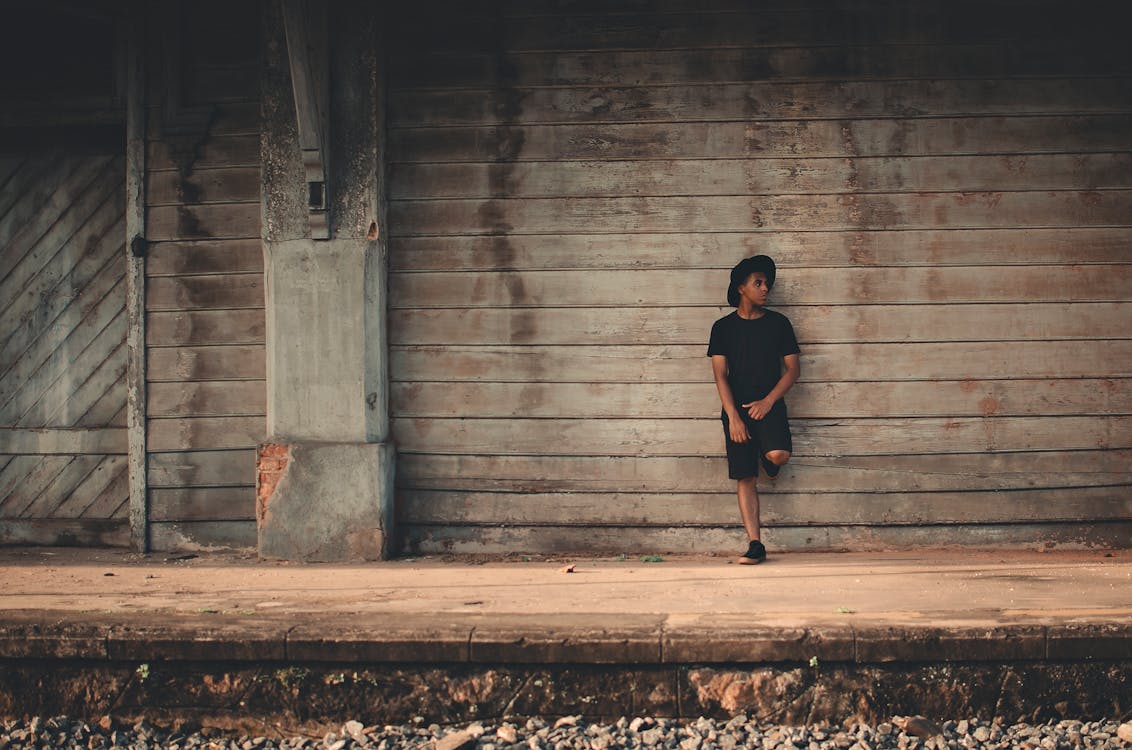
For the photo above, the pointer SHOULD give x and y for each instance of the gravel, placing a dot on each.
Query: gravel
(567, 733)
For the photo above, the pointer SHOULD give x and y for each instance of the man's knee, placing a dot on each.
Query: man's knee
(748, 481)
(778, 458)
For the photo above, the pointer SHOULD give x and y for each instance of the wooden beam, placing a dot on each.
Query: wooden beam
(307, 51)
(135, 281)
(53, 441)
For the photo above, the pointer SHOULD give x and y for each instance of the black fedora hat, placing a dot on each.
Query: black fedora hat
(743, 269)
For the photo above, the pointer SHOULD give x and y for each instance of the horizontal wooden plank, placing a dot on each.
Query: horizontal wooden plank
(63, 441)
(195, 327)
(589, 179)
(560, 8)
(225, 83)
(218, 291)
(202, 504)
(209, 221)
(770, 100)
(206, 363)
(201, 468)
(698, 437)
(799, 286)
(203, 257)
(815, 326)
(216, 151)
(780, 138)
(216, 185)
(202, 536)
(228, 118)
(204, 433)
(430, 68)
(965, 472)
(69, 532)
(730, 540)
(965, 247)
(845, 212)
(940, 398)
(207, 399)
(781, 509)
(484, 28)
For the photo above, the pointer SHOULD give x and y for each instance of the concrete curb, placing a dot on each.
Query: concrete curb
(537, 639)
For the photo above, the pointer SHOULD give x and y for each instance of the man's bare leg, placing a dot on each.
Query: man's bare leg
(749, 507)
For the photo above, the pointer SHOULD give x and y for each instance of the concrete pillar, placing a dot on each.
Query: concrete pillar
(325, 488)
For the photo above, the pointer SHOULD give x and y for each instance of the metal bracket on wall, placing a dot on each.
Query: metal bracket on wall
(307, 48)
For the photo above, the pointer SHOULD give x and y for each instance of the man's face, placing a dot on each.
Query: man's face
(755, 289)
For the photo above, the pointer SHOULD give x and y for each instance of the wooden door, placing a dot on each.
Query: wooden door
(63, 476)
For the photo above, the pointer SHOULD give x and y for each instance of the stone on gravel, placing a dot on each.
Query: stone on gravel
(1124, 732)
(456, 740)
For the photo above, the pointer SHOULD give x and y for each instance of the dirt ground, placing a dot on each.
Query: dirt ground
(947, 586)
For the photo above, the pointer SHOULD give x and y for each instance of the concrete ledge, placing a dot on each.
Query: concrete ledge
(535, 639)
(410, 638)
(661, 640)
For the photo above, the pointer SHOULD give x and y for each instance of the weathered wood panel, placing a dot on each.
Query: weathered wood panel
(864, 248)
(207, 399)
(812, 437)
(205, 221)
(204, 257)
(818, 325)
(662, 67)
(228, 118)
(468, 28)
(218, 151)
(801, 286)
(182, 434)
(231, 290)
(942, 398)
(62, 349)
(205, 358)
(780, 509)
(202, 536)
(572, 181)
(82, 532)
(688, 363)
(590, 179)
(203, 504)
(221, 185)
(713, 541)
(764, 100)
(903, 473)
(195, 327)
(779, 138)
(189, 363)
(894, 211)
(201, 468)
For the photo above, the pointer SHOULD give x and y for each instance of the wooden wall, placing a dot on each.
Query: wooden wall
(204, 285)
(945, 187)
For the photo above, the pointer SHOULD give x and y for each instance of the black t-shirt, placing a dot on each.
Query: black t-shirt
(754, 351)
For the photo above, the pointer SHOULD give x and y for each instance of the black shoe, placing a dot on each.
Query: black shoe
(755, 553)
(770, 467)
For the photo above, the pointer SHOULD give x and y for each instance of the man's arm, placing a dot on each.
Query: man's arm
(736, 427)
(793, 368)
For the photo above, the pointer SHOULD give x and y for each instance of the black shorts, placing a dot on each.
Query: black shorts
(771, 433)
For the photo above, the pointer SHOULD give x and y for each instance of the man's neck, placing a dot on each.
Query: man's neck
(749, 311)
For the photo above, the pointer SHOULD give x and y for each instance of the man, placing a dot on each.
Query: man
(754, 358)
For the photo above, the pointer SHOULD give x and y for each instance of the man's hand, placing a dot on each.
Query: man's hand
(737, 429)
(759, 409)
